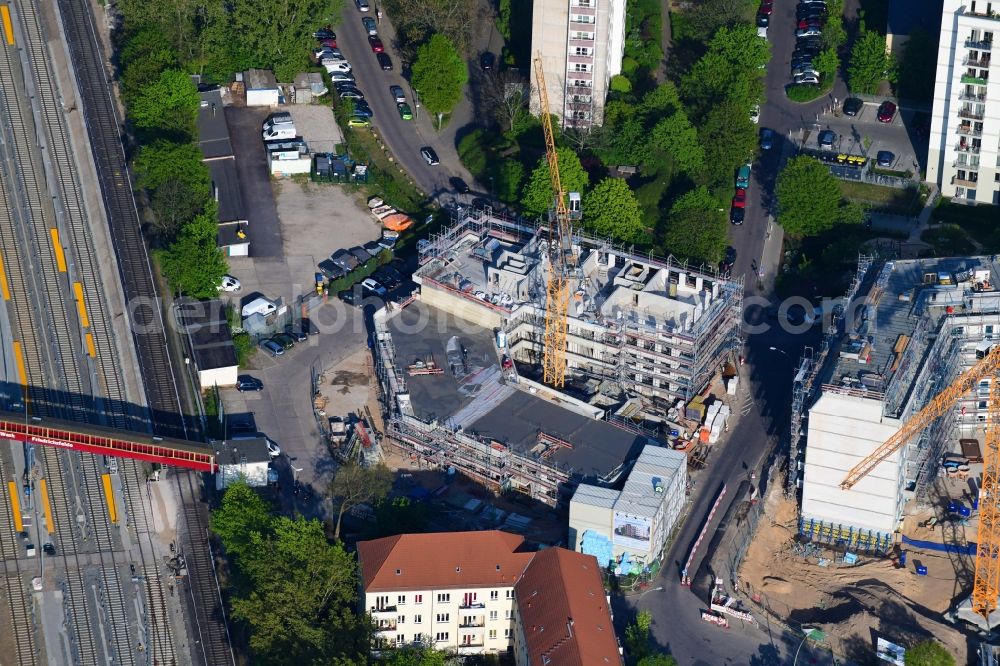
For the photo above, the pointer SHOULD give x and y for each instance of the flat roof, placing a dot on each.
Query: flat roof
(213, 132)
(208, 332)
(656, 465)
(598, 496)
(474, 398)
(260, 79)
(240, 451)
(226, 187)
(229, 234)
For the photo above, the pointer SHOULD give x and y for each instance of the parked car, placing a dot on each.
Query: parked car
(384, 61)
(327, 53)
(799, 62)
(429, 156)
(230, 284)
(272, 347)
(341, 86)
(370, 26)
(827, 138)
(808, 32)
(352, 93)
(460, 185)
(487, 61)
(273, 449)
(348, 296)
(810, 23)
(373, 287)
(248, 383)
(886, 112)
(342, 77)
(325, 33)
(383, 277)
(285, 341)
(358, 121)
(810, 11)
(805, 70)
(362, 109)
(332, 66)
(755, 114)
(766, 139)
(814, 43)
(405, 112)
(48, 548)
(394, 273)
(806, 80)
(737, 215)
(295, 333)
(397, 93)
(726, 265)
(743, 176)
(740, 198)
(853, 106)
(885, 158)
(376, 44)
(362, 5)
(766, 7)
(328, 43)
(763, 20)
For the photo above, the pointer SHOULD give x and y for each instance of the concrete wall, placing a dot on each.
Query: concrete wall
(843, 430)
(459, 306)
(262, 97)
(549, 32)
(586, 517)
(218, 377)
(255, 474)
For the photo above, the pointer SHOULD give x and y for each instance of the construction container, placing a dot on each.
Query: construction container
(695, 410)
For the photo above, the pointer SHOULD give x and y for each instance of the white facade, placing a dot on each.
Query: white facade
(581, 43)
(964, 154)
(218, 377)
(638, 519)
(253, 473)
(472, 621)
(844, 428)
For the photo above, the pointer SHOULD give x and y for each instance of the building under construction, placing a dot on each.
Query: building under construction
(913, 327)
(458, 366)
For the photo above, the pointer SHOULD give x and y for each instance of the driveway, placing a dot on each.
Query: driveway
(251, 165)
(405, 137)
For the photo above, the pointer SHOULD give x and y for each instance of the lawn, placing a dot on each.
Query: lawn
(980, 222)
(888, 199)
(949, 240)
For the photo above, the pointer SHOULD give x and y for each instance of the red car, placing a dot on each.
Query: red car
(740, 200)
(329, 43)
(886, 112)
(766, 7)
(810, 23)
(376, 44)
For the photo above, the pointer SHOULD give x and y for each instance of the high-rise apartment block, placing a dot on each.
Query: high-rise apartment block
(580, 43)
(964, 153)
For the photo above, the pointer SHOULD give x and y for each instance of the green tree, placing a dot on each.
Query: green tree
(732, 70)
(620, 84)
(870, 63)
(439, 75)
(354, 485)
(657, 660)
(398, 515)
(143, 56)
(242, 518)
(916, 67)
(676, 136)
(503, 19)
(538, 197)
(827, 63)
(162, 161)
(193, 263)
(167, 106)
(809, 199)
(275, 33)
(610, 209)
(637, 636)
(695, 229)
(928, 653)
(729, 139)
(300, 603)
(708, 16)
(413, 656)
(661, 101)
(507, 182)
(834, 34)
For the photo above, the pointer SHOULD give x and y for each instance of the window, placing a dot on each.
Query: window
(399, 639)
(493, 634)
(418, 598)
(507, 614)
(506, 633)
(583, 35)
(580, 67)
(958, 330)
(989, 332)
(381, 602)
(441, 636)
(494, 595)
(582, 18)
(417, 619)
(493, 615)
(401, 600)
(443, 617)
(510, 594)
(580, 83)
(400, 619)
(582, 51)
(981, 404)
(444, 598)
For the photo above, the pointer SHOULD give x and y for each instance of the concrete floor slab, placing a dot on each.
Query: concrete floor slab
(315, 123)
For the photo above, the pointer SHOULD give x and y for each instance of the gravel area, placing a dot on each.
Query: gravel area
(315, 123)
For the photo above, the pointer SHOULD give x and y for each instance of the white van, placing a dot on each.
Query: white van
(336, 66)
(278, 133)
(260, 306)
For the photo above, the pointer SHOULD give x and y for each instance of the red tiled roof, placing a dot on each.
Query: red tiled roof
(441, 560)
(563, 611)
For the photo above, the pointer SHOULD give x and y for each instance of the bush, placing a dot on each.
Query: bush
(359, 273)
(473, 153)
(244, 347)
(620, 84)
(629, 66)
(803, 93)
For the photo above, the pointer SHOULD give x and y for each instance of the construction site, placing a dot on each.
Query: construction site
(460, 364)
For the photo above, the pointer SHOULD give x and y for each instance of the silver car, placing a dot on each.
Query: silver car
(397, 94)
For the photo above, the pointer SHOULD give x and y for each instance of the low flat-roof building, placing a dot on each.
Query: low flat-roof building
(629, 527)
(244, 460)
(262, 88)
(209, 341)
(217, 154)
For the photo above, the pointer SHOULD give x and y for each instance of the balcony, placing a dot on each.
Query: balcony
(981, 45)
(963, 182)
(464, 605)
(387, 626)
(967, 112)
(586, 11)
(968, 130)
(579, 90)
(983, 61)
(580, 59)
(975, 80)
(471, 648)
(972, 97)
(580, 41)
(472, 622)
(965, 147)
(379, 610)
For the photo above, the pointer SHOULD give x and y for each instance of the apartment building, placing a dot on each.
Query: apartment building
(964, 154)
(467, 592)
(581, 43)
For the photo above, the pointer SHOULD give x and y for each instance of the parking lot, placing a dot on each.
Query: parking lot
(251, 166)
(853, 132)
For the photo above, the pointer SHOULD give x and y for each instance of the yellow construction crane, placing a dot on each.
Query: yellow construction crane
(986, 585)
(561, 258)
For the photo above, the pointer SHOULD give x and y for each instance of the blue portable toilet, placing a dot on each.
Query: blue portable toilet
(921, 570)
(964, 511)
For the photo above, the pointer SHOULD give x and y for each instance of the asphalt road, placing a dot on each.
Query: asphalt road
(404, 138)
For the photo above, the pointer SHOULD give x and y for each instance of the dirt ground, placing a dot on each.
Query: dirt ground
(349, 386)
(851, 603)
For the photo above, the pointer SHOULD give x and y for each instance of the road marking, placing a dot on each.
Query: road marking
(22, 371)
(57, 248)
(43, 488)
(109, 498)
(8, 26)
(91, 349)
(15, 507)
(81, 304)
(4, 287)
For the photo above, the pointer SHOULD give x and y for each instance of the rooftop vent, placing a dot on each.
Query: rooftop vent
(399, 571)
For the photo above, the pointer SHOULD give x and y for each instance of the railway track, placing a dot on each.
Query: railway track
(21, 621)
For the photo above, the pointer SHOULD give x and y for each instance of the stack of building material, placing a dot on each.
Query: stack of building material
(715, 421)
(696, 410)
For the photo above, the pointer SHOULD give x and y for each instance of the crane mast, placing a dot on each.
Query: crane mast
(986, 584)
(560, 233)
